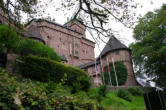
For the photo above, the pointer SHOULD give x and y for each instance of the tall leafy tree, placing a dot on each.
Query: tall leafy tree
(95, 13)
(149, 50)
(12, 9)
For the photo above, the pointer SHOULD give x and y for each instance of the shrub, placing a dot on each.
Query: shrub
(75, 87)
(102, 90)
(7, 88)
(34, 95)
(93, 93)
(98, 93)
(124, 94)
(28, 46)
(82, 83)
(45, 69)
(8, 37)
(135, 91)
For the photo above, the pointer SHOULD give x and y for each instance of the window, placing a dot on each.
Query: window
(76, 52)
(76, 47)
(86, 51)
(70, 48)
(0, 22)
(117, 52)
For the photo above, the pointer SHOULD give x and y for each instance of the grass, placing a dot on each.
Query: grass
(115, 103)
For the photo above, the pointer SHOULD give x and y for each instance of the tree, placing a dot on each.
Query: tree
(9, 39)
(97, 12)
(12, 9)
(149, 50)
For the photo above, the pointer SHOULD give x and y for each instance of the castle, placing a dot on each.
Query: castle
(70, 42)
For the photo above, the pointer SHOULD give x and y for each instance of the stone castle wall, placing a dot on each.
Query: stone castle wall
(71, 44)
(118, 55)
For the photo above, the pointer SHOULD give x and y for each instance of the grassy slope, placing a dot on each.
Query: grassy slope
(120, 104)
(110, 102)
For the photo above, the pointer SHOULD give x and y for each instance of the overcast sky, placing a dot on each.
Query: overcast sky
(125, 34)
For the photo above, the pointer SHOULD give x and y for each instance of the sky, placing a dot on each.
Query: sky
(124, 34)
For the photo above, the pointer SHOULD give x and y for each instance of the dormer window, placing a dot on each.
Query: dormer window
(117, 52)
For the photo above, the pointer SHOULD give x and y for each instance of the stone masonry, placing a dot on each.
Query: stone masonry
(119, 52)
(68, 40)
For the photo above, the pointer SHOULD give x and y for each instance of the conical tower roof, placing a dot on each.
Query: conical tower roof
(112, 45)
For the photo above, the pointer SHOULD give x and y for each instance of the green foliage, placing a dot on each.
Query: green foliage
(33, 95)
(8, 37)
(149, 50)
(7, 88)
(102, 91)
(124, 94)
(113, 102)
(121, 72)
(82, 83)
(98, 93)
(29, 46)
(45, 69)
(135, 91)
(24, 94)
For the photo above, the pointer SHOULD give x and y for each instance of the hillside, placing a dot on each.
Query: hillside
(36, 79)
(20, 93)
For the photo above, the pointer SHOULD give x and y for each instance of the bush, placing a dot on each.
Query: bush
(45, 69)
(34, 95)
(82, 83)
(28, 46)
(124, 94)
(7, 88)
(98, 93)
(8, 37)
(102, 90)
(135, 91)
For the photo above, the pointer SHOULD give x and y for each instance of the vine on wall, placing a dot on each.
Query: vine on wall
(121, 72)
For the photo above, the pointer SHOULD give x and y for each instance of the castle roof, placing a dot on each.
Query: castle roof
(76, 19)
(88, 64)
(54, 23)
(112, 45)
(33, 32)
(51, 22)
(88, 40)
